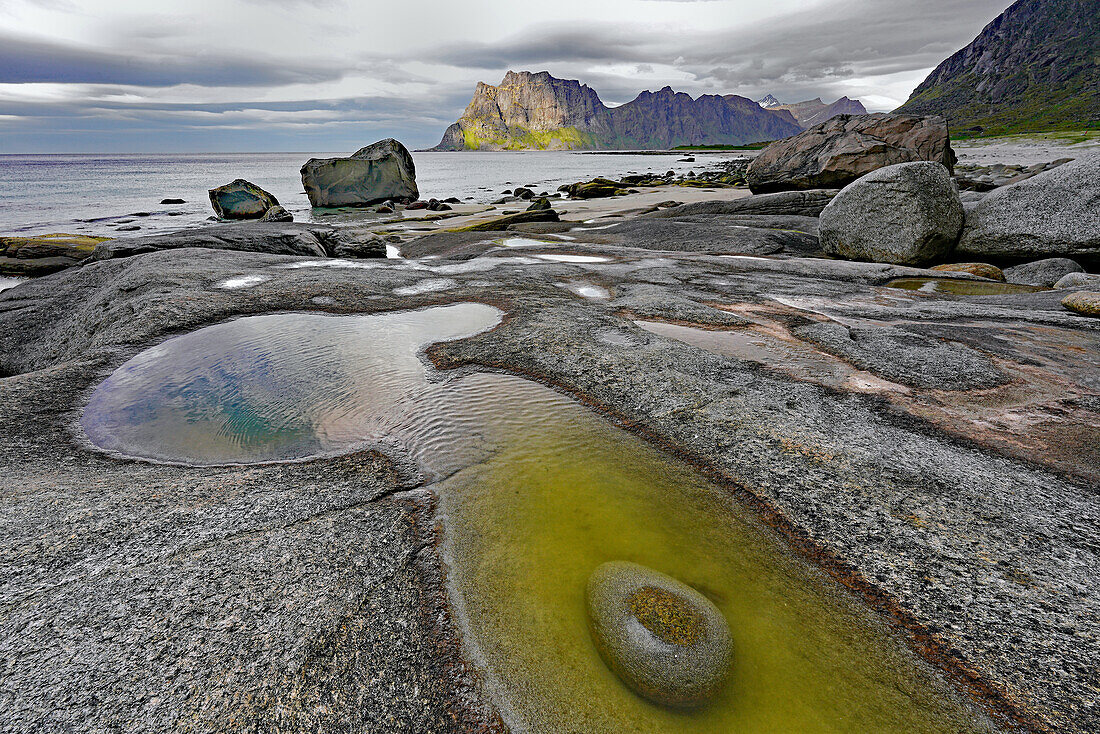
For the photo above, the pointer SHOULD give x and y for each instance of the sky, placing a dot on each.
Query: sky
(116, 76)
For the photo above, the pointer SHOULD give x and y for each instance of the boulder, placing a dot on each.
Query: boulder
(277, 214)
(1045, 273)
(1077, 280)
(982, 270)
(380, 171)
(44, 254)
(597, 188)
(241, 200)
(1086, 303)
(664, 639)
(374, 247)
(907, 214)
(539, 205)
(1056, 213)
(837, 152)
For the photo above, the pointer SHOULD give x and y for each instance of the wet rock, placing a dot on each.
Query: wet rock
(541, 227)
(277, 214)
(837, 152)
(373, 247)
(793, 203)
(1044, 273)
(172, 201)
(905, 357)
(539, 205)
(523, 193)
(416, 206)
(1086, 303)
(240, 200)
(700, 233)
(44, 254)
(267, 237)
(1056, 213)
(908, 214)
(598, 188)
(982, 270)
(665, 640)
(1077, 280)
(502, 223)
(380, 171)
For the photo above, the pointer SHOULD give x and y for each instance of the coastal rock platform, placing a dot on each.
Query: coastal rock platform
(312, 595)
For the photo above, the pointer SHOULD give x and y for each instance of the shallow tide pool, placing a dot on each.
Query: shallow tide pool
(539, 491)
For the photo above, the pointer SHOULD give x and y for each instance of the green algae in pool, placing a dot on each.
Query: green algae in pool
(278, 387)
(961, 287)
(526, 528)
(540, 492)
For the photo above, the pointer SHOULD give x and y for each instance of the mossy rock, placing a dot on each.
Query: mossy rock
(44, 254)
(241, 200)
(502, 223)
(665, 640)
(982, 270)
(1086, 303)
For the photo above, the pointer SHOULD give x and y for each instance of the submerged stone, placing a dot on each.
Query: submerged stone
(665, 640)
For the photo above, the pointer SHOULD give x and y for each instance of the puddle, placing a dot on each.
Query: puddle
(524, 242)
(960, 287)
(790, 357)
(587, 290)
(428, 285)
(540, 492)
(561, 258)
(242, 281)
(393, 252)
(6, 283)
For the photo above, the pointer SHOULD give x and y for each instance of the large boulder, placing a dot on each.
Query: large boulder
(837, 152)
(44, 254)
(374, 174)
(1056, 213)
(664, 639)
(241, 200)
(908, 214)
(1045, 273)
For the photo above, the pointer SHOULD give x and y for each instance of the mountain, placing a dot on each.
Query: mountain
(1034, 68)
(814, 111)
(768, 102)
(539, 112)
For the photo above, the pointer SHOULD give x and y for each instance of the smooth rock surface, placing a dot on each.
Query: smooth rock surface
(908, 214)
(1056, 213)
(982, 270)
(809, 203)
(380, 171)
(315, 240)
(241, 200)
(664, 639)
(1045, 273)
(1076, 280)
(839, 151)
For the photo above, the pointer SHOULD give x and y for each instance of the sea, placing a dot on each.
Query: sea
(110, 195)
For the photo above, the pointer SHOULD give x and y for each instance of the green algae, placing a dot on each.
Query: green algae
(569, 492)
(961, 287)
(667, 616)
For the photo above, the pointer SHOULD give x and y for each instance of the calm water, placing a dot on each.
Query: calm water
(96, 194)
(540, 492)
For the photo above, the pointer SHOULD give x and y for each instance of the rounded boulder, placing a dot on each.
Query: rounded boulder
(908, 214)
(241, 200)
(664, 639)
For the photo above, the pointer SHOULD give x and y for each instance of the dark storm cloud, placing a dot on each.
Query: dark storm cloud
(25, 60)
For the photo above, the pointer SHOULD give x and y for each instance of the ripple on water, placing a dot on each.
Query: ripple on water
(540, 492)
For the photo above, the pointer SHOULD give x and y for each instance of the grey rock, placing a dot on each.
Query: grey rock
(240, 200)
(268, 237)
(906, 357)
(1045, 273)
(1056, 213)
(380, 171)
(664, 639)
(808, 203)
(837, 152)
(1078, 280)
(277, 214)
(701, 233)
(368, 248)
(908, 214)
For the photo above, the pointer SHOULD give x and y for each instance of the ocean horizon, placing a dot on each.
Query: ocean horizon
(108, 195)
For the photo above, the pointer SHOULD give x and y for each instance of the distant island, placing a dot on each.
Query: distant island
(536, 111)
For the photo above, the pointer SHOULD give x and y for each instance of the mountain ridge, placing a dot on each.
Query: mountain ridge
(1035, 67)
(814, 111)
(538, 111)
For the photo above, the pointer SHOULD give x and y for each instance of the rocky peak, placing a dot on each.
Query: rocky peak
(769, 101)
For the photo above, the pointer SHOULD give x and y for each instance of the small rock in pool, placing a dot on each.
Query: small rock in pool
(665, 640)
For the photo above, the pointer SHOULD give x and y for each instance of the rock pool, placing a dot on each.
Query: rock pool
(535, 493)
